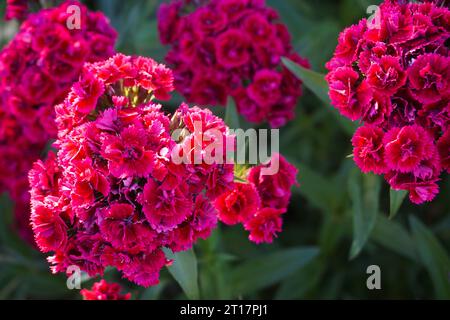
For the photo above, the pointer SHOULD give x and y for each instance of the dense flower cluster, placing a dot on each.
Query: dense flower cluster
(17, 9)
(395, 78)
(37, 69)
(258, 203)
(103, 290)
(222, 48)
(115, 194)
(442, 3)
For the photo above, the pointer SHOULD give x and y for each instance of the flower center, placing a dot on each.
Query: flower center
(132, 153)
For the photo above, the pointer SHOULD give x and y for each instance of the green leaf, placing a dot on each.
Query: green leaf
(433, 256)
(314, 187)
(364, 192)
(184, 271)
(302, 281)
(316, 82)
(393, 236)
(154, 292)
(269, 269)
(313, 80)
(396, 198)
(231, 115)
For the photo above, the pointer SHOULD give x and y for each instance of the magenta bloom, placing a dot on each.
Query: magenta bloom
(16, 9)
(444, 150)
(258, 203)
(222, 48)
(115, 195)
(239, 204)
(49, 228)
(429, 76)
(165, 207)
(265, 89)
(368, 149)
(394, 78)
(406, 147)
(37, 69)
(386, 75)
(265, 225)
(343, 94)
(232, 49)
(103, 290)
(127, 154)
(274, 190)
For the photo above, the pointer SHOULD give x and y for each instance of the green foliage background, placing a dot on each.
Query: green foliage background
(337, 224)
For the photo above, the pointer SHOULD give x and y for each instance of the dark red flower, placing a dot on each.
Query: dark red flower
(406, 147)
(127, 154)
(165, 208)
(168, 23)
(368, 149)
(232, 49)
(50, 230)
(394, 77)
(387, 75)
(144, 269)
(116, 193)
(103, 290)
(16, 9)
(343, 92)
(429, 77)
(122, 227)
(444, 150)
(207, 21)
(274, 189)
(265, 89)
(239, 204)
(37, 70)
(265, 225)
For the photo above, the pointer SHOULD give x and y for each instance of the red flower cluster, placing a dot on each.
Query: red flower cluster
(103, 290)
(115, 195)
(17, 9)
(395, 78)
(232, 48)
(259, 203)
(37, 69)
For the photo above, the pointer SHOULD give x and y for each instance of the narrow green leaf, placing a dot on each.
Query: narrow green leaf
(231, 115)
(316, 82)
(314, 187)
(313, 80)
(393, 236)
(302, 281)
(153, 293)
(433, 256)
(184, 271)
(364, 192)
(269, 269)
(396, 198)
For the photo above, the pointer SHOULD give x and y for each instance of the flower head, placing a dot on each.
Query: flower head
(232, 48)
(265, 225)
(37, 69)
(103, 290)
(394, 77)
(259, 203)
(368, 149)
(116, 193)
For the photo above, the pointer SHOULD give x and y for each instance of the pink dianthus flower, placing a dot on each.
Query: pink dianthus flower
(103, 290)
(37, 69)
(115, 194)
(222, 48)
(394, 78)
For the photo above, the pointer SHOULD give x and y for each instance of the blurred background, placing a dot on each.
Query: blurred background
(311, 258)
